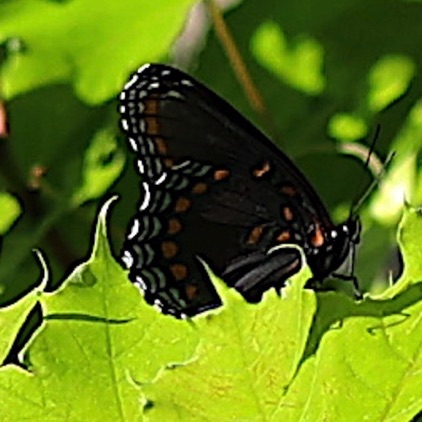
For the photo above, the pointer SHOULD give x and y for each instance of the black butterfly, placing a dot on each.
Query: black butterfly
(215, 189)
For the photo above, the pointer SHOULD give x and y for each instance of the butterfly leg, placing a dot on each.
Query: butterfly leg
(357, 291)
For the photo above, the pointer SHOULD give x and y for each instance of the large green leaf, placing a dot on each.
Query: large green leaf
(98, 341)
(62, 35)
(101, 353)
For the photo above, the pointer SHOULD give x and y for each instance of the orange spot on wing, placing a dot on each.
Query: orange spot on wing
(200, 188)
(149, 115)
(264, 169)
(318, 238)
(289, 191)
(150, 106)
(191, 291)
(287, 213)
(283, 236)
(168, 162)
(221, 175)
(174, 226)
(179, 271)
(255, 235)
(182, 205)
(169, 249)
(153, 127)
(161, 145)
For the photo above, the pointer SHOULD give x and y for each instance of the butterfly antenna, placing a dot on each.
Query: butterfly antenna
(372, 162)
(372, 146)
(372, 186)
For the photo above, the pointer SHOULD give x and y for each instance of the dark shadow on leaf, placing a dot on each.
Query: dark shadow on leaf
(28, 328)
(85, 317)
(334, 308)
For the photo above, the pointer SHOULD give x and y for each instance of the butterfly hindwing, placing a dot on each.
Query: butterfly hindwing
(212, 187)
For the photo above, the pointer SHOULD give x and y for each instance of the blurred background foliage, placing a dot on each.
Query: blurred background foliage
(329, 72)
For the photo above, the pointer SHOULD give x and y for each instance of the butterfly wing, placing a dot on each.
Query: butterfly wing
(213, 188)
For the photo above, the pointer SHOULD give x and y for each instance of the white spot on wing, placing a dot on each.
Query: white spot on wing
(140, 283)
(127, 259)
(181, 165)
(134, 229)
(161, 179)
(174, 94)
(147, 197)
(142, 125)
(125, 124)
(133, 144)
(141, 166)
(144, 67)
(132, 81)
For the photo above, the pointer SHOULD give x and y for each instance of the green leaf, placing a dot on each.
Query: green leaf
(99, 170)
(247, 355)
(103, 354)
(300, 66)
(126, 35)
(252, 363)
(10, 211)
(97, 342)
(389, 79)
(13, 316)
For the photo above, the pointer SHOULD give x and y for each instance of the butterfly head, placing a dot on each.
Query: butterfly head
(338, 248)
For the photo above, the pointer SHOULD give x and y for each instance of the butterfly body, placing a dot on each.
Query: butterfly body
(214, 189)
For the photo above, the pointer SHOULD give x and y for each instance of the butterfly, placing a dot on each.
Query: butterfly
(215, 190)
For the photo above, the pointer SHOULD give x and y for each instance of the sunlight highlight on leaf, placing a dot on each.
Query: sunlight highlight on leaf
(347, 127)
(102, 165)
(400, 184)
(395, 188)
(298, 63)
(389, 79)
(10, 211)
(91, 46)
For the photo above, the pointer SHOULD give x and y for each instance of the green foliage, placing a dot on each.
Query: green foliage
(101, 353)
(96, 343)
(79, 40)
(329, 72)
(10, 211)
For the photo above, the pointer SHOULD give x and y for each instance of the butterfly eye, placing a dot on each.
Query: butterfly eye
(215, 190)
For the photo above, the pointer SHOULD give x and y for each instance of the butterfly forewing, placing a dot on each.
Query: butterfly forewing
(214, 187)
